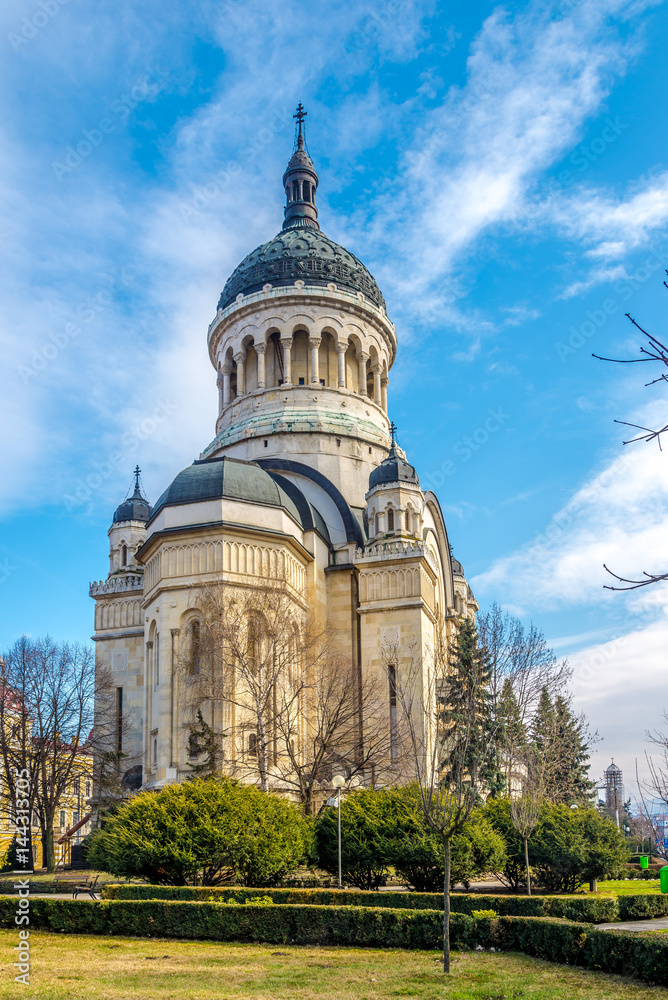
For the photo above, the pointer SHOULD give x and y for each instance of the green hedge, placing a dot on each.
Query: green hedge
(642, 907)
(644, 958)
(590, 909)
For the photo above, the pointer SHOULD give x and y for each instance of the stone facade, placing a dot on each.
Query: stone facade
(303, 482)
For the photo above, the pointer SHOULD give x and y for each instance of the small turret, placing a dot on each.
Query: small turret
(128, 530)
(394, 500)
(301, 183)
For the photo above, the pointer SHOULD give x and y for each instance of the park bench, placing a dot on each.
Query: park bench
(78, 884)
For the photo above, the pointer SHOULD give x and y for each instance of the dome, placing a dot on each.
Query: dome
(135, 508)
(393, 469)
(300, 253)
(230, 478)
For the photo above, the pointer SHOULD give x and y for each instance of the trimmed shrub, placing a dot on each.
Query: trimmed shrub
(554, 940)
(366, 817)
(416, 852)
(642, 907)
(386, 828)
(591, 909)
(573, 846)
(205, 831)
(568, 847)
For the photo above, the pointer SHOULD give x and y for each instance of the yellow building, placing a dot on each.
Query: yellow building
(303, 482)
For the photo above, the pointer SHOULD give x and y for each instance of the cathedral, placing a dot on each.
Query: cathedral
(302, 483)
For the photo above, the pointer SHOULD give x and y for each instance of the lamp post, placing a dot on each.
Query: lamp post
(338, 781)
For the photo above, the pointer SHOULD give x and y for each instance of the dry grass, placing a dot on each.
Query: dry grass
(132, 969)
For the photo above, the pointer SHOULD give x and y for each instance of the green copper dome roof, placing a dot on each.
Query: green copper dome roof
(300, 252)
(230, 478)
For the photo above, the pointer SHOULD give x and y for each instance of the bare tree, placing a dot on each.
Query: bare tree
(522, 665)
(654, 351)
(446, 709)
(47, 713)
(339, 725)
(525, 809)
(287, 707)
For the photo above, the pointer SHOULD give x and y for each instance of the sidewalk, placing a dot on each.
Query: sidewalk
(658, 924)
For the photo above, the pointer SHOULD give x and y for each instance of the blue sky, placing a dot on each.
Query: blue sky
(503, 172)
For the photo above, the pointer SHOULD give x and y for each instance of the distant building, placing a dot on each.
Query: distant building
(614, 790)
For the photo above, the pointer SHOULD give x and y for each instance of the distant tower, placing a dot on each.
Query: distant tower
(614, 790)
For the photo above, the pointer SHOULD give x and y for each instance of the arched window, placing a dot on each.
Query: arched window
(408, 521)
(390, 520)
(375, 525)
(252, 744)
(124, 554)
(306, 187)
(392, 677)
(195, 647)
(295, 191)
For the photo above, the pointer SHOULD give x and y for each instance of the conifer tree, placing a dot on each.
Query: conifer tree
(562, 741)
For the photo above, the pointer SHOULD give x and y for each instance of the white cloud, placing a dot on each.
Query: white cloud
(618, 517)
(619, 686)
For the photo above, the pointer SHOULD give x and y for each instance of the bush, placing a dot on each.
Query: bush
(416, 852)
(513, 871)
(592, 909)
(573, 846)
(386, 828)
(554, 940)
(204, 831)
(366, 818)
(568, 847)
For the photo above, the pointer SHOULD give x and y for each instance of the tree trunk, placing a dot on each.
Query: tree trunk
(446, 907)
(48, 855)
(526, 862)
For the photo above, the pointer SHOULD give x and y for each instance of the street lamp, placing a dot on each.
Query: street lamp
(338, 781)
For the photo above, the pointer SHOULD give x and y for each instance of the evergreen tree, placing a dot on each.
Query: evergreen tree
(203, 740)
(561, 741)
(470, 728)
(511, 733)
(571, 773)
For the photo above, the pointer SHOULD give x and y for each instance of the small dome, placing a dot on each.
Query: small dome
(457, 567)
(218, 478)
(393, 470)
(300, 253)
(135, 508)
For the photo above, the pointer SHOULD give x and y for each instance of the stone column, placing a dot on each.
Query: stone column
(362, 359)
(376, 383)
(240, 359)
(173, 757)
(383, 392)
(221, 400)
(259, 350)
(341, 352)
(314, 344)
(227, 371)
(286, 344)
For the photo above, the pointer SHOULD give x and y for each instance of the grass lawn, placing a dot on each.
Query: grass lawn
(132, 969)
(632, 887)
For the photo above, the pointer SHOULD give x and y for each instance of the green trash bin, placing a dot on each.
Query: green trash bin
(663, 875)
(644, 861)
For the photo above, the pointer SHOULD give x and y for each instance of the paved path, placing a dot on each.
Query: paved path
(658, 924)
